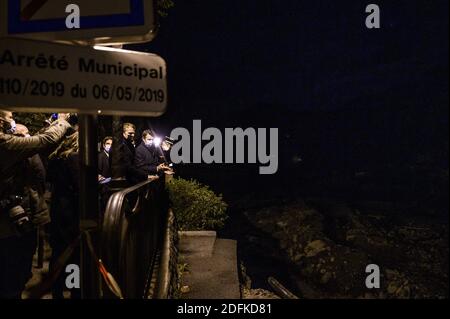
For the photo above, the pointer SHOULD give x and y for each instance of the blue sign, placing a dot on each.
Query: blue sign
(18, 24)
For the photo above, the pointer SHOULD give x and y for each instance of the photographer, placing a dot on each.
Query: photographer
(15, 222)
(63, 175)
(38, 173)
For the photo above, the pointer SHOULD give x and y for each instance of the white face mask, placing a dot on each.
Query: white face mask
(107, 148)
(148, 143)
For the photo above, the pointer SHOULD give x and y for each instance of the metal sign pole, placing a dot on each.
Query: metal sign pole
(66, 79)
(89, 210)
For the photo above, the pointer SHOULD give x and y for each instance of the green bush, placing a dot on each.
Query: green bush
(196, 207)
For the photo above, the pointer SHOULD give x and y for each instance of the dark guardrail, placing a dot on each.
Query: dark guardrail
(135, 243)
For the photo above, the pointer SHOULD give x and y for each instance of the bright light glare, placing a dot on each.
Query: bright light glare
(110, 49)
(157, 141)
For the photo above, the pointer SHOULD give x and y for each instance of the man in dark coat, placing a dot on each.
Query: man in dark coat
(104, 171)
(126, 152)
(104, 165)
(147, 158)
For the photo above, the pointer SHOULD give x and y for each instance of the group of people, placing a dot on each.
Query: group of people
(49, 161)
(141, 159)
(138, 159)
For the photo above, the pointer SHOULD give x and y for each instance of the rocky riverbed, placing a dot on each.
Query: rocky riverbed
(320, 249)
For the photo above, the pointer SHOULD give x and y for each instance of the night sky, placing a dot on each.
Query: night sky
(344, 97)
(302, 54)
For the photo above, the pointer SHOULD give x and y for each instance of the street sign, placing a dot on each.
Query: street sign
(101, 21)
(50, 77)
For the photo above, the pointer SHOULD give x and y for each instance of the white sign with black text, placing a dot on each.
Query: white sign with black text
(48, 77)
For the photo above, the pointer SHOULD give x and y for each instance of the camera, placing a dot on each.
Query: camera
(169, 141)
(73, 119)
(17, 213)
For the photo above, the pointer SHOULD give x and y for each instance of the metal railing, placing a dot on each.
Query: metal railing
(134, 240)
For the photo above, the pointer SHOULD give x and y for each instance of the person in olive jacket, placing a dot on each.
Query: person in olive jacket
(14, 191)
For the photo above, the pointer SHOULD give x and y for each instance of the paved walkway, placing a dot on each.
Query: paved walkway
(211, 274)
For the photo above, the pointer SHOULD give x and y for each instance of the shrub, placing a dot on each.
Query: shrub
(196, 207)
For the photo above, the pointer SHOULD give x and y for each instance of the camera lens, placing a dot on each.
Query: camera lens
(20, 218)
(73, 119)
